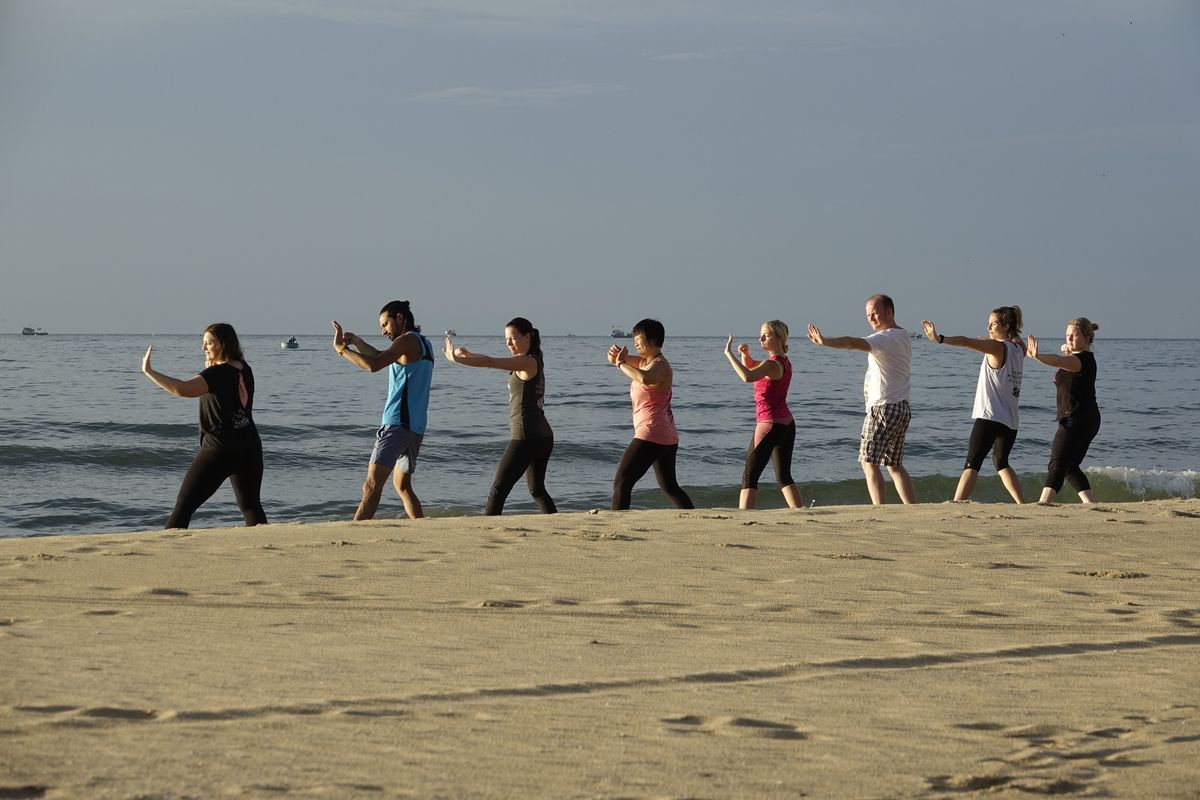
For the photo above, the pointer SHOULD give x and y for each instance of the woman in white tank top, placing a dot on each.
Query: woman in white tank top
(997, 396)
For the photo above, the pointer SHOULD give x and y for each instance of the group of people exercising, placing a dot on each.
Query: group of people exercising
(230, 447)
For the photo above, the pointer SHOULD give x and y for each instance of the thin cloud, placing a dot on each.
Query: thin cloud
(478, 95)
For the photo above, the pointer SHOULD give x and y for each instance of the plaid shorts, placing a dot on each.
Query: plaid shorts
(883, 432)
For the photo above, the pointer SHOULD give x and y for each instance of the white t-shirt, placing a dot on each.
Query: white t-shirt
(889, 365)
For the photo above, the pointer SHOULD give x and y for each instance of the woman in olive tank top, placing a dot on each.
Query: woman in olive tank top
(532, 439)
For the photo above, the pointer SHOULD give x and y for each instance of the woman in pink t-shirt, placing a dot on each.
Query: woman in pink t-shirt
(775, 429)
(655, 439)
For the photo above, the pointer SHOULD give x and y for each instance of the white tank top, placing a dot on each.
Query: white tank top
(998, 390)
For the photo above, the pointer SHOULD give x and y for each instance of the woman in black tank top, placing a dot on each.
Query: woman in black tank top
(229, 443)
(531, 438)
(1076, 408)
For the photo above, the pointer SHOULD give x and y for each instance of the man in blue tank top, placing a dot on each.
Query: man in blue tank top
(409, 359)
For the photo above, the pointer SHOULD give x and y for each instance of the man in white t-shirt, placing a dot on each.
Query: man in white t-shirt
(887, 390)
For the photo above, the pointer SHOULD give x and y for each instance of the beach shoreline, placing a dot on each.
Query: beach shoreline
(849, 651)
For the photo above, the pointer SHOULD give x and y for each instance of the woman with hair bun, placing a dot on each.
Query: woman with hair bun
(1076, 408)
(655, 437)
(532, 441)
(229, 443)
(775, 428)
(996, 398)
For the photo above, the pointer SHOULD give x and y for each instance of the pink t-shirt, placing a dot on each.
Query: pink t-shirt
(770, 395)
(652, 417)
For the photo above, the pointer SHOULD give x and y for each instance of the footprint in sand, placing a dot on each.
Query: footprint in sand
(734, 726)
(130, 714)
(167, 592)
(1110, 574)
(29, 790)
(502, 604)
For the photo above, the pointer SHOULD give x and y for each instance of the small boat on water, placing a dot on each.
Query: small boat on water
(617, 333)
(451, 332)
(290, 344)
(34, 332)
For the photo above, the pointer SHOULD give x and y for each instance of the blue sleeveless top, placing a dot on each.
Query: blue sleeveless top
(408, 390)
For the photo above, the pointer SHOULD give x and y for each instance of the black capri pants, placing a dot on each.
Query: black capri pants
(528, 457)
(988, 435)
(1070, 445)
(242, 464)
(638, 458)
(775, 445)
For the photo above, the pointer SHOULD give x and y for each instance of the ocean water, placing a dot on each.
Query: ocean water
(88, 444)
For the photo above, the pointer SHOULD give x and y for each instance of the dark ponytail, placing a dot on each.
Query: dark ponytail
(525, 328)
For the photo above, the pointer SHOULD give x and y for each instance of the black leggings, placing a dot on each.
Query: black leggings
(527, 456)
(243, 466)
(1070, 445)
(638, 458)
(987, 434)
(776, 445)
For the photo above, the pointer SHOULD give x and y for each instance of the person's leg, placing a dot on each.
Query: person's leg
(1008, 476)
(1006, 437)
(372, 490)
(408, 496)
(638, 458)
(781, 455)
(535, 476)
(903, 483)
(747, 499)
(980, 442)
(1084, 431)
(791, 494)
(897, 418)
(512, 464)
(966, 485)
(1059, 465)
(206, 474)
(247, 486)
(757, 456)
(882, 442)
(664, 472)
(876, 485)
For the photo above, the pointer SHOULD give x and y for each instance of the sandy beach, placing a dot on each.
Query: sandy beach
(936, 651)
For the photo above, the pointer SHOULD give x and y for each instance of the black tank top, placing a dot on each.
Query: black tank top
(224, 419)
(1076, 391)
(526, 420)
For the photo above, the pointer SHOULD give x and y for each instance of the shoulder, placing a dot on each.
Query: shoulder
(222, 370)
(889, 339)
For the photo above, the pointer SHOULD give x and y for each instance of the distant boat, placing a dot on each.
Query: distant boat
(617, 333)
(451, 332)
(290, 344)
(34, 332)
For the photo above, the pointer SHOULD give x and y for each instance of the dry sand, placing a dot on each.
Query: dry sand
(937, 651)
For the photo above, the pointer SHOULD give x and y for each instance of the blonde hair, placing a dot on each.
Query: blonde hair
(780, 329)
(1085, 326)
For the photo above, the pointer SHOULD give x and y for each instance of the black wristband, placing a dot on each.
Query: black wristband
(941, 338)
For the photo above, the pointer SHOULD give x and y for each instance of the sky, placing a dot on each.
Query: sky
(710, 163)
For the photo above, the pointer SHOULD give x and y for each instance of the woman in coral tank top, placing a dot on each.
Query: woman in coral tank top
(655, 439)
